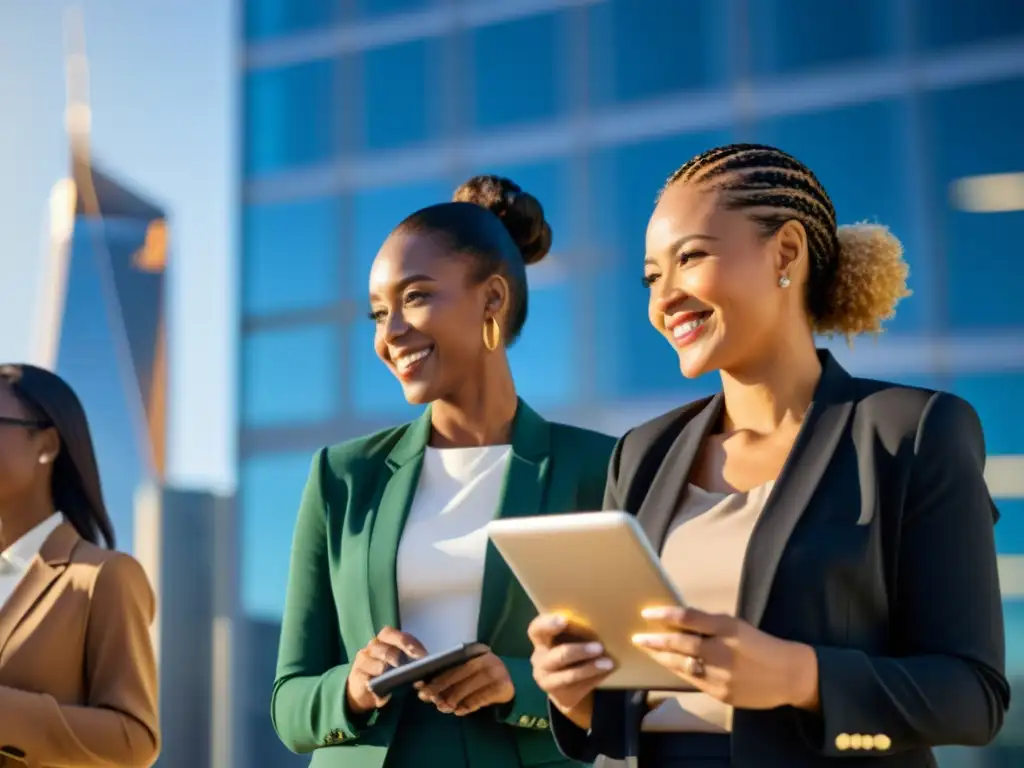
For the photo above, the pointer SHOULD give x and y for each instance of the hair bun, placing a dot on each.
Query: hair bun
(870, 280)
(520, 212)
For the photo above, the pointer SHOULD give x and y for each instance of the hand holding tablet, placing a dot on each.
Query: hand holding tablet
(424, 668)
(567, 664)
(599, 572)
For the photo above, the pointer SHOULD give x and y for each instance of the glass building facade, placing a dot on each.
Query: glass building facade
(357, 112)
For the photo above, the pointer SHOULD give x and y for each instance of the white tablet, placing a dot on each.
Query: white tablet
(599, 569)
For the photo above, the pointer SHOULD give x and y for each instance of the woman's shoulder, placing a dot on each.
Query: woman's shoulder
(583, 439)
(108, 570)
(356, 453)
(899, 411)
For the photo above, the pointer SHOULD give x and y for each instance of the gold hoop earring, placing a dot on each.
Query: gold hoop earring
(492, 334)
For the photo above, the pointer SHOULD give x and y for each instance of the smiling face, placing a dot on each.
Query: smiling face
(429, 315)
(714, 280)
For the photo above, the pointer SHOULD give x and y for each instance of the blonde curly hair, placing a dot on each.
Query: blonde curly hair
(857, 273)
(869, 282)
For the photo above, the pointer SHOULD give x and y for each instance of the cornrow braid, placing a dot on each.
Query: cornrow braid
(775, 188)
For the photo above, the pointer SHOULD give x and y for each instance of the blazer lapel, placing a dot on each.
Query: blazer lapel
(403, 473)
(44, 569)
(822, 428)
(669, 485)
(522, 495)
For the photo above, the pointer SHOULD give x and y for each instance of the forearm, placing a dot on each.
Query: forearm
(54, 734)
(803, 679)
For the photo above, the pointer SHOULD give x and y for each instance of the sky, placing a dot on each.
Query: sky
(162, 76)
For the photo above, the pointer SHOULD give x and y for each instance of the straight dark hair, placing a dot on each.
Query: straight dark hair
(75, 485)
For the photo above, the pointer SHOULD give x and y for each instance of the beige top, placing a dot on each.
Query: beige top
(703, 553)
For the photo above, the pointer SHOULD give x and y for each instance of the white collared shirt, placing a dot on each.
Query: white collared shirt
(16, 559)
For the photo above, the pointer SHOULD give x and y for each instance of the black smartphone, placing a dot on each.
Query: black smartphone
(426, 668)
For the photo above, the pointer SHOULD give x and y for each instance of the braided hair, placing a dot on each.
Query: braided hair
(856, 273)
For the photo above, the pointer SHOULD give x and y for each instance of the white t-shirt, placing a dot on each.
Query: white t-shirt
(440, 566)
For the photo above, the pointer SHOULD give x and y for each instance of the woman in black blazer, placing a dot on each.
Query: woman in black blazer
(833, 535)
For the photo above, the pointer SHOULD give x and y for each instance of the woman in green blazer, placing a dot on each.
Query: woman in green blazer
(390, 555)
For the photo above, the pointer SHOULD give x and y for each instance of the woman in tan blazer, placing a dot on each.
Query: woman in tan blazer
(78, 683)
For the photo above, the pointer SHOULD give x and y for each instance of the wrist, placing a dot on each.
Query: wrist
(581, 715)
(353, 705)
(803, 678)
(507, 696)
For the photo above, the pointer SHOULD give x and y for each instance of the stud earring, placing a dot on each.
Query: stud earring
(784, 281)
(44, 459)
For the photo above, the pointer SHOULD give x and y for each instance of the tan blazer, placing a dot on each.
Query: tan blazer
(78, 681)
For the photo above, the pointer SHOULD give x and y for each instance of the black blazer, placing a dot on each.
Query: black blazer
(875, 547)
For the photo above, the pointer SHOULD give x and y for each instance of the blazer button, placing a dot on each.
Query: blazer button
(542, 724)
(843, 742)
(856, 741)
(882, 742)
(867, 741)
(525, 721)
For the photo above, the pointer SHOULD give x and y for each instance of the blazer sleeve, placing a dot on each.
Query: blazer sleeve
(118, 725)
(946, 683)
(308, 700)
(607, 734)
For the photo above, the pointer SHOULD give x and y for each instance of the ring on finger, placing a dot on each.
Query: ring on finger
(694, 667)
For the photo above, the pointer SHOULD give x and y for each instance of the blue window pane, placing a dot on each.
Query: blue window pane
(376, 392)
(654, 48)
(635, 359)
(400, 85)
(976, 131)
(857, 154)
(549, 182)
(274, 18)
(290, 117)
(292, 253)
(1013, 615)
(544, 359)
(946, 23)
(377, 8)
(1010, 528)
(290, 376)
(516, 72)
(377, 212)
(270, 488)
(997, 399)
(793, 35)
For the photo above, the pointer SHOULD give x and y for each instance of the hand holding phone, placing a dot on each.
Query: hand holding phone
(424, 668)
(388, 650)
(480, 682)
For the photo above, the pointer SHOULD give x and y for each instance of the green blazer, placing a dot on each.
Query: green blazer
(342, 591)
